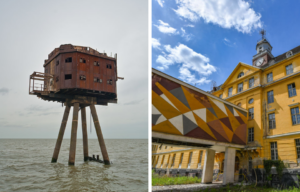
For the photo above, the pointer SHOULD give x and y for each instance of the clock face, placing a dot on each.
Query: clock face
(259, 61)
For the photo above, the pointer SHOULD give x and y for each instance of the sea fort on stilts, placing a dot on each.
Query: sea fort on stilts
(77, 77)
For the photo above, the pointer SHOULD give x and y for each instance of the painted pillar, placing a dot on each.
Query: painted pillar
(229, 164)
(208, 168)
(61, 134)
(73, 134)
(100, 136)
(84, 134)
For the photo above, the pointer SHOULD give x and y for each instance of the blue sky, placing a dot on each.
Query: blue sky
(200, 41)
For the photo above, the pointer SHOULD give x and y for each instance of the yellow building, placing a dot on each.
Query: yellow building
(269, 89)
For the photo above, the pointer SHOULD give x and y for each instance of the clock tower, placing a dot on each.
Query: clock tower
(264, 52)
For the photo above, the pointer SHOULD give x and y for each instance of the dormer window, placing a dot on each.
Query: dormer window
(241, 74)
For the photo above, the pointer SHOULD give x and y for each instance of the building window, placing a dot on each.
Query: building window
(251, 82)
(229, 91)
(270, 96)
(190, 160)
(251, 113)
(221, 96)
(108, 66)
(272, 123)
(292, 89)
(269, 77)
(298, 148)
(251, 101)
(200, 159)
(241, 74)
(251, 134)
(173, 160)
(295, 115)
(96, 79)
(239, 104)
(274, 153)
(240, 87)
(68, 76)
(68, 60)
(82, 60)
(96, 63)
(82, 77)
(289, 69)
(109, 81)
(57, 62)
(181, 158)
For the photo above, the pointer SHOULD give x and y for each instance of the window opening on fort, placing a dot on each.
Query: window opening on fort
(82, 77)
(251, 101)
(251, 134)
(82, 60)
(68, 60)
(96, 63)
(270, 96)
(109, 81)
(269, 77)
(181, 158)
(57, 78)
(274, 152)
(230, 91)
(298, 147)
(190, 160)
(295, 115)
(292, 89)
(241, 74)
(108, 66)
(68, 76)
(57, 62)
(251, 82)
(272, 123)
(289, 69)
(240, 87)
(251, 113)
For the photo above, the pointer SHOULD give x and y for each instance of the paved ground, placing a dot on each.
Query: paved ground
(189, 187)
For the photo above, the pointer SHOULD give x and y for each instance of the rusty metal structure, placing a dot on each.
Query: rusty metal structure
(80, 77)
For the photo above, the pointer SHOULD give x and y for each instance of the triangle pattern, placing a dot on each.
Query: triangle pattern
(226, 122)
(236, 139)
(155, 118)
(199, 133)
(188, 125)
(235, 113)
(166, 127)
(154, 110)
(240, 131)
(220, 105)
(178, 93)
(201, 113)
(212, 111)
(193, 103)
(217, 126)
(229, 107)
(161, 119)
(218, 136)
(210, 116)
(202, 124)
(166, 98)
(233, 121)
(244, 118)
(218, 111)
(242, 112)
(178, 123)
(228, 132)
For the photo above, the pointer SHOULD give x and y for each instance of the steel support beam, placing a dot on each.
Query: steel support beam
(73, 134)
(84, 134)
(61, 134)
(100, 136)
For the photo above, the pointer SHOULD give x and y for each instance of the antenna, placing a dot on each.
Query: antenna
(213, 85)
(263, 33)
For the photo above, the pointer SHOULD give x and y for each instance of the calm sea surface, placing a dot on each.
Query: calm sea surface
(25, 166)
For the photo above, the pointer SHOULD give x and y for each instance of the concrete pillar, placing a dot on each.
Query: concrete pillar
(208, 168)
(229, 164)
(61, 134)
(100, 136)
(84, 134)
(73, 134)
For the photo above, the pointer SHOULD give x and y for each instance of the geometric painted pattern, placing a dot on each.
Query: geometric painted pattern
(178, 110)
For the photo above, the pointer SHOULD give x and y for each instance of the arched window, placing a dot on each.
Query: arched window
(251, 101)
(241, 74)
(239, 104)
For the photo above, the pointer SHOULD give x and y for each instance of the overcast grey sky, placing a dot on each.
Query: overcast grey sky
(30, 30)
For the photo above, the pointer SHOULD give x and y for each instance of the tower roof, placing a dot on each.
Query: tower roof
(263, 41)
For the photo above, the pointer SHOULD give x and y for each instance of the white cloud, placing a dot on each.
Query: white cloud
(228, 42)
(155, 43)
(226, 13)
(186, 36)
(165, 28)
(191, 63)
(190, 25)
(160, 2)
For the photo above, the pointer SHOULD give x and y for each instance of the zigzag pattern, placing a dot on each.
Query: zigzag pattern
(179, 110)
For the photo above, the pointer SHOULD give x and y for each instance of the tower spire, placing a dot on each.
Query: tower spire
(263, 33)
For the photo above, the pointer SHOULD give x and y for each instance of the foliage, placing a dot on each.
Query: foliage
(248, 188)
(277, 163)
(166, 180)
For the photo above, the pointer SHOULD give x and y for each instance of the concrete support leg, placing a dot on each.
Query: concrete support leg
(100, 136)
(229, 164)
(84, 135)
(73, 134)
(60, 134)
(208, 168)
